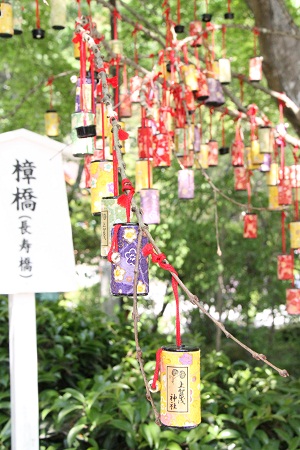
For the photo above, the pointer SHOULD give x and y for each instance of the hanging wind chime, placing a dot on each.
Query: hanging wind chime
(177, 371)
(38, 32)
(51, 115)
(6, 20)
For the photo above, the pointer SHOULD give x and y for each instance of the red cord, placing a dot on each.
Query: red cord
(283, 232)
(159, 259)
(114, 242)
(157, 368)
(228, 6)
(37, 13)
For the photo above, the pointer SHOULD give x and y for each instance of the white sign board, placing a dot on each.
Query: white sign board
(35, 230)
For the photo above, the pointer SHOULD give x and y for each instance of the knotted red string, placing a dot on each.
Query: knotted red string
(113, 81)
(125, 199)
(116, 16)
(114, 242)
(159, 259)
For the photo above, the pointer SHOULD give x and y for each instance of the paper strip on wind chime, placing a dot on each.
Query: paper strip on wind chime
(123, 260)
(186, 185)
(240, 178)
(294, 234)
(150, 206)
(273, 198)
(293, 301)
(111, 213)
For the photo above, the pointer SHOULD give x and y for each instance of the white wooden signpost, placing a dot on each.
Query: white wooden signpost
(36, 256)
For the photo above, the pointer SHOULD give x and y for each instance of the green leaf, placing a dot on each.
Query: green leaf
(64, 412)
(294, 443)
(284, 435)
(251, 426)
(122, 425)
(76, 394)
(73, 433)
(127, 410)
(173, 446)
(262, 436)
(228, 434)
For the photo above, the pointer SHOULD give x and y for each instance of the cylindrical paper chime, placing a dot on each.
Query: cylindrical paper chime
(6, 20)
(197, 139)
(80, 146)
(180, 141)
(256, 156)
(85, 124)
(224, 71)
(285, 192)
(266, 165)
(249, 162)
(190, 76)
(273, 175)
(202, 92)
(202, 156)
(84, 94)
(250, 226)
(237, 153)
(265, 139)
(111, 213)
(186, 185)
(143, 174)
(293, 301)
(102, 184)
(285, 267)
(17, 17)
(212, 153)
(240, 178)
(216, 96)
(180, 387)
(122, 271)
(273, 198)
(51, 123)
(294, 234)
(187, 160)
(150, 206)
(161, 150)
(58, 14)
(107, 126)
(255, 68)
(38, 32)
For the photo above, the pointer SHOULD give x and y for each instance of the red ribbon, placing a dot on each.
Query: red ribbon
(157, 367)
(125, 199)
(159, 259)
(37, 13)
(114, 242)
(113, 81)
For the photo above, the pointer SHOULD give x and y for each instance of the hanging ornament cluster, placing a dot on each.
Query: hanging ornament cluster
(11, 18)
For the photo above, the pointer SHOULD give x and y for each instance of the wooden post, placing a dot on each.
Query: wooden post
(23, 372)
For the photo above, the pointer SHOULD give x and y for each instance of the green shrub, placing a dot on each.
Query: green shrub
(92, 395)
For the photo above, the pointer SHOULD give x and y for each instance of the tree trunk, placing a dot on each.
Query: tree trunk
(281, 54)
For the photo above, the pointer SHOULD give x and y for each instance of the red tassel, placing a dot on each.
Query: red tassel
(123, 135)
(113, 81)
